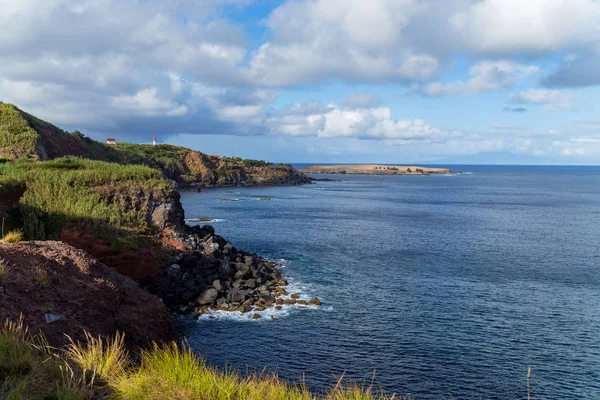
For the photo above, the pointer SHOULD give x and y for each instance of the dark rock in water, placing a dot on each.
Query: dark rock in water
(295, 296)
(207, 297)
(314, 301)
(256, 316)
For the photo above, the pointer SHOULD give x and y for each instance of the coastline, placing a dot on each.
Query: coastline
(373, 169)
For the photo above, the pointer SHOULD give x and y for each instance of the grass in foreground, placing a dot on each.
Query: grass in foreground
(103, 369)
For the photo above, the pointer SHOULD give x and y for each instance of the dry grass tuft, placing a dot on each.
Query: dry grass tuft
(13, 237)
(40, 277)
(106, 360)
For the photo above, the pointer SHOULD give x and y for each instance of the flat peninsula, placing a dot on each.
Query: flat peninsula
(373, 169)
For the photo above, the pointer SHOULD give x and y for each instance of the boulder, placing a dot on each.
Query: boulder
(225, 269)
(207, 297)
(236, 295)
(315, 302)
(218, 285)
(256, 316)
(250, 283)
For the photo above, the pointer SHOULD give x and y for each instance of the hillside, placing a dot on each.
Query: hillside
(25, 136)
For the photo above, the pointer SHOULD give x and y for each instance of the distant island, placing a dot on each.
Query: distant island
(373, 169)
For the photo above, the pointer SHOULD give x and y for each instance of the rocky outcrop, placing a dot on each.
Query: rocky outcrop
(191, 268)
(213, 274)
(60, 290)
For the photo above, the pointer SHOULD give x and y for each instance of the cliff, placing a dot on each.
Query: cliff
(130, 218)
(25, 136)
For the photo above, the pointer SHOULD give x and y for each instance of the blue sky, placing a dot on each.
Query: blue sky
(389, 81)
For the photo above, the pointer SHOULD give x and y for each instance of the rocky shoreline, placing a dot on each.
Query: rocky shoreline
(215, 276)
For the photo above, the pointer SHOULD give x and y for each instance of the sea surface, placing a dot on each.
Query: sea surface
(437, 286)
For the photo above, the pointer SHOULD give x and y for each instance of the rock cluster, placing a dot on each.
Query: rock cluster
(213, 274)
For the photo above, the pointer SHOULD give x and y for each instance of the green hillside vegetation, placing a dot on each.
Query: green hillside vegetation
(103, 369)
(17, 137)
(25, 136)
(65, 190)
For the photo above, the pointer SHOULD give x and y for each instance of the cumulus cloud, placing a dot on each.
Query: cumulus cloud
(314, 41)
(553, 99)
(485, 76)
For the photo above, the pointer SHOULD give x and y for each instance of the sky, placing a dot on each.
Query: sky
(385, 81)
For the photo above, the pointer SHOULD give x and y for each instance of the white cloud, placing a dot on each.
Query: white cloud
(314, 41)
(552, 99)
(485, 76)
(532, 26)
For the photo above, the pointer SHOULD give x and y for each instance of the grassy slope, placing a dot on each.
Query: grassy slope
(17, 137)
(62, 190)
(97, 369)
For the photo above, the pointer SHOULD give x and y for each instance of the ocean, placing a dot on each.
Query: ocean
(437, 286)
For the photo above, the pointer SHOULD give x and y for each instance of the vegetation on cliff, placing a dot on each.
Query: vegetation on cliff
(70, 190)
(103, 369)
(25, 136)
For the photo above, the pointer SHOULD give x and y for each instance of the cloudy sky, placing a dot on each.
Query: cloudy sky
(389, 81)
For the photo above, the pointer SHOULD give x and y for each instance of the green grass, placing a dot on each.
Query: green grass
(72, 189)
(32, 370)
(103, 369)
(17, 137)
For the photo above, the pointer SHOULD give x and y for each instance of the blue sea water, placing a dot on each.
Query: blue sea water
(440, 284)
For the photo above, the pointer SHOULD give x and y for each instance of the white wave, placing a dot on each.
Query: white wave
(198, 221)
(304, 292)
